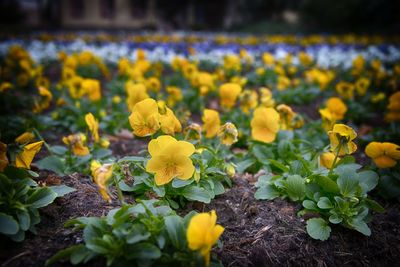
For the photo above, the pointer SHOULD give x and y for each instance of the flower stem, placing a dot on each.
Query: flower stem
(119, 191)
(336, 157)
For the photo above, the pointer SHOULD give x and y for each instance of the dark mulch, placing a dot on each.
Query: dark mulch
(257, 233)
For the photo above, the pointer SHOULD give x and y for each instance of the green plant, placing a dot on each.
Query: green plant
(20, 200)
(145, 234)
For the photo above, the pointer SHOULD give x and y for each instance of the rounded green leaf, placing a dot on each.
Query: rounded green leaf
(8, 225)
(318, 228)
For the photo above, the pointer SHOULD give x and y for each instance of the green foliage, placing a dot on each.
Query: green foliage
(20, 199)
(145, 234)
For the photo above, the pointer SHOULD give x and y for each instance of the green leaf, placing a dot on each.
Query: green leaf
(360, 226)
(368, 180)
(309, 204)
(295, 187)
(327, 184)
(244, 165)
(8, 225)
(266, 192)
(278, 165)
(144, 251)
(63, 254)
(52, 163)
(138, 233)
(335, 218)
(348, 183)
(324, 203)
(318, 228)
(375, 206)
(196, 193)
(177, 183)
(132, 158)
(59, 150)
(41, 197)
(62, 190)
(24, 220)
(175, 230)
(101, 153)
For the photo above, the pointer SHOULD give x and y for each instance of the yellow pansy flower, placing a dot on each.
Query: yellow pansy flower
(91, 87)
(286, 116)
(328, 119)
(228, 134)
(192, 132)
(248, 100)
(211, 122)
(341, 138)
(265, 124)
(24, 138)
(101, 174)
(136, 93)
(24, 158)
(362, 85)
(326, 159)
(384, 155)
(169, 122)
(174, 95)
(337, 107)
(345, 89)
(266, 98)
(228, 94)
(93, 126)
(170, 159)
(76, 143)
(203, 232)
(145, 119)
(3, 156)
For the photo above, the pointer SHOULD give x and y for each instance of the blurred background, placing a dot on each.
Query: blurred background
(255, 16)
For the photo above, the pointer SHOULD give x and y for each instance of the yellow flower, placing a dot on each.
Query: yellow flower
(341, 137)
(326, 159)
(24, 158)
(24, 138)
(228, 94)
(145, 119)
(174, 95)
(268, 59)
(328, 119)
(101, 174)
(169, 122)
(283, 82)
(116, 99)
(136, 93)
(228, 134)
(266, 98)
(91, 88)
(337, 107)
(384, 155)
(286, 115)
(204, 81)
(104, 143)
(154, 84)
(232, 63)
(265, 124)
(248, 100)
(393, 108)
(75, 142)
(3, 156)
(93, 126)
(345, 89)
(203, 232)
(375, 98)
(4, 86)
(170, 159)
(192, 132)
(211, 122)
(45, 99)
(305, 59)
(362, 85)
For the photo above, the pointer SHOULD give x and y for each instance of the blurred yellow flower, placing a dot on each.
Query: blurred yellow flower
(170, 159)
(228, 94)
(286, 115)
(76, 144)
(25, 157)
(145, 119)
(93, 126)
(24, 138)
(211, 122)
(169, 122)
(266, 98)
(91, 87)
(337, 107)
(136, 92)
(362, 85)
(265, 124)
(192, 132)
(174, 95)
(203, 232)
(345, 89)
(341, 138)
(3, 156)
(248, 100)
(393, 108)
(228, 134)
(326, 159)
(384, 155)
(101, 174)
(328, 119)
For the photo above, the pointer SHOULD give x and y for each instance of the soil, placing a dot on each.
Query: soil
(257, 233)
